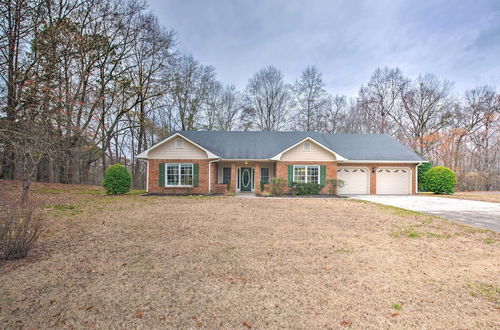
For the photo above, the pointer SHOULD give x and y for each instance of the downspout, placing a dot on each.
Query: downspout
(147, 176)
(210, 174)
(416, 176)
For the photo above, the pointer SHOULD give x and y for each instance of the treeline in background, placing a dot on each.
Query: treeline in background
(86, 84)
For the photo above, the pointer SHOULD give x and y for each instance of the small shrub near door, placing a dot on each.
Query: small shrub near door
(305, 189)
(20, 229)
(277, 186)
(117, 180)
(440, 180)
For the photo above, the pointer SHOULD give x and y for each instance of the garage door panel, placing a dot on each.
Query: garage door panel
(393, 181)
(356, 180)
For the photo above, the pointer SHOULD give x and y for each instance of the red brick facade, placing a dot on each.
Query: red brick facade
(280, 171)
(154, 177)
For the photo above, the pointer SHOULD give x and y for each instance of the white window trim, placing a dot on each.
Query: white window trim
(179, 165)
(179, 144)
(307, 146)
(306, 166)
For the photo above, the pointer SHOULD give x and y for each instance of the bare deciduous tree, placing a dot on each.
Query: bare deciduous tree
(310, 100)
(268, 97)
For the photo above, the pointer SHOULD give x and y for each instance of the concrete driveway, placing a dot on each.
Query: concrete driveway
(475, 213)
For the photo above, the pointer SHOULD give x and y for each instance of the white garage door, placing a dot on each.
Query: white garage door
(356, 180)
(393, 181)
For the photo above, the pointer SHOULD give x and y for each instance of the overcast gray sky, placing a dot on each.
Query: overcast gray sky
(347, 40)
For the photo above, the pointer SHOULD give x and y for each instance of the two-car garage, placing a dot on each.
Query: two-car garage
(388, 181)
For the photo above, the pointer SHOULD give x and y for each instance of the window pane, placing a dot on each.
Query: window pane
(226, 175)
(313, 174)
(172, 174)
(299, 173)
(264, 175)
(186, 169)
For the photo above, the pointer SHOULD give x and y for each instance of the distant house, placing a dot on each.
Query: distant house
(200, 162)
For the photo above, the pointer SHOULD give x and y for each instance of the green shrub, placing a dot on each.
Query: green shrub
(440, 180)
(333, 185)
(117, 180)
(262, 185)
(277, 186)
(422, 169)
(310, 188)
(228, 186)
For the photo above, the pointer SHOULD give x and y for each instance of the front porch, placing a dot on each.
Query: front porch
(240, 176)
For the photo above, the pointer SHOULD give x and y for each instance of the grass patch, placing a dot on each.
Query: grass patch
(52, 191)
(342, 251)
(412, 232)
(396, 306)
(402, 212)
(89, 191)
(484, 290)
(406, 232)
(489, 240)
(65, 209)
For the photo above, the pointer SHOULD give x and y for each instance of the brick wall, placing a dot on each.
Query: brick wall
(281, 171)
(154, 177)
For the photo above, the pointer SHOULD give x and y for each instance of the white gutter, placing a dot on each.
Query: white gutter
(416, 176)
(147, 176)
(209, 174)
(383, 161)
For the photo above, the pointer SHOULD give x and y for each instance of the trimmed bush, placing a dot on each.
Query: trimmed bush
(117, 180)
(277, 186)
(422, 169)
(310, 188)
(440, 180)
(334, 184)
(20, 229)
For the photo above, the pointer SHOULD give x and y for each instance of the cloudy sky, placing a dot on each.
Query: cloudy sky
(346, 39)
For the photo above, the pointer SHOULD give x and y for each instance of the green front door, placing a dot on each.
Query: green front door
(246, 179)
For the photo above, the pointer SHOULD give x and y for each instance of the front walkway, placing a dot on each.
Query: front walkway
(475, 213)
(246, 194)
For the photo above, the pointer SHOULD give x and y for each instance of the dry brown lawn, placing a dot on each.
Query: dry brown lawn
(485, 196)
(225, 262)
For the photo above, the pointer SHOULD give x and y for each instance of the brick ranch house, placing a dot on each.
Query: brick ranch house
(201, 162)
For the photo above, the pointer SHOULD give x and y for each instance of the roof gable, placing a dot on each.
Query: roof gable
(171, 138)
(279, 155)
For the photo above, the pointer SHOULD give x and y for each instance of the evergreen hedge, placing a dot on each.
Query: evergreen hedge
(117, 180)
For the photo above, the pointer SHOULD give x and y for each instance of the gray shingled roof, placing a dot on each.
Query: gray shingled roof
(265, 145)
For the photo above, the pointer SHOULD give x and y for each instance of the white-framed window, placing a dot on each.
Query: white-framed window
(307, 146)
(179, 144)
(306, 173)
(264, 174)
(179, 175)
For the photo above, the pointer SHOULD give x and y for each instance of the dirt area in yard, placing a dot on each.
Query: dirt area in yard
(485, 196)
(225, 262)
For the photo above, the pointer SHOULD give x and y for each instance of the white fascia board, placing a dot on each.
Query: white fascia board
(337, 156)
(386, 161)
(144, 154)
